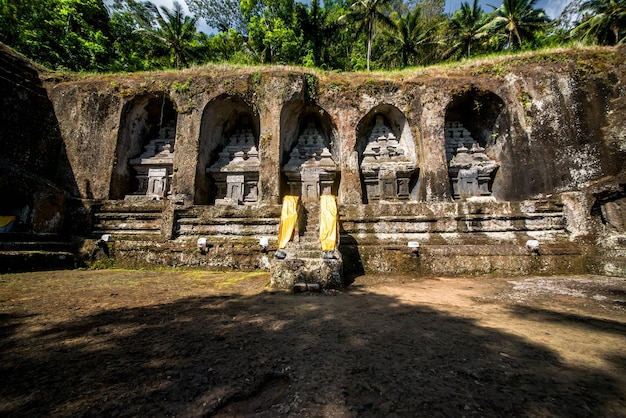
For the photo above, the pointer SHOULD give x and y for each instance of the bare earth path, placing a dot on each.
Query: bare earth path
(195, 343)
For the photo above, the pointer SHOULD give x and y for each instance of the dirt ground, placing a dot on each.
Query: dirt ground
(119, 343)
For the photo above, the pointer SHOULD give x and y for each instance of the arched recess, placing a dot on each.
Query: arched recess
(15, 209)
(387, 152)
(471, 129)
(222, 117)
(309, 151)
(143, 119)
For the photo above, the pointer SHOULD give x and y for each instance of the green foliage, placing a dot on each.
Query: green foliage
(227, 47)
(102, 264)
(345, 35)
(496, 69)
(311, 86)
(515, 23)
(171, 29)
(256, 78)
(182, 87)
(69, 34)
(603, 22)
(365, 14)
(466, 26)
(412, 39)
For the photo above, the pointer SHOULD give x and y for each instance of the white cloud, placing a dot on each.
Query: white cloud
(169, 4)
(554, 8)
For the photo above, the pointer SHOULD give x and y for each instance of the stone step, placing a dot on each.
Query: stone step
(50, 246)
(610, 266)
(23, 251)
(303, 253)
(311, 228)
(29, 237)
(22, 261)
(134, 225)
(122, 206)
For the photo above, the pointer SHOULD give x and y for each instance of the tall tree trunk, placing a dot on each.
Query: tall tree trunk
(519, 39)
(370, 30)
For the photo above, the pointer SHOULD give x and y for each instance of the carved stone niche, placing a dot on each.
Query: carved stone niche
(385, 167)
(471, 170)
(311, 170)
(236, 172)
(154, 167)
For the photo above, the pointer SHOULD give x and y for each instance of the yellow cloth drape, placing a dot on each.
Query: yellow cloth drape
(5, 220)
(288, 220)
(328, 222)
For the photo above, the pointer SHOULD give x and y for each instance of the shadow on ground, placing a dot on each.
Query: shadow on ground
(267, 355)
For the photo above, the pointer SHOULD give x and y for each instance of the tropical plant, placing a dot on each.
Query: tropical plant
(172, 28)
(604, 21)
(274, 36)
(319, 31)
(70, 34)
(466, 27)
(518, 20)
(365, 13)
(409, 33)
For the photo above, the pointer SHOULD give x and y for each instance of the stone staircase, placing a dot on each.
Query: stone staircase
(129, 220)
(304, 261)
(20, 252)
(307, 243)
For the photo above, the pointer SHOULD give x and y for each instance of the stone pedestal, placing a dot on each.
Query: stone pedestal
(154, 167)
(327, 272)
(385, 167)
(236, 173)
(471, 170)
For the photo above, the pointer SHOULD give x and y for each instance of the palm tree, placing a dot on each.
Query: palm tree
(408, 34)
(173, 29)
(319, 30)
(518, 19)
(368, 12)
(466, 24)
(604, 21)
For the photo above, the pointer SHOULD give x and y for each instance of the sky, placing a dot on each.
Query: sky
(553, 8)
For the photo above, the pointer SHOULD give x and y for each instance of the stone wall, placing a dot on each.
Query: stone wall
(35, 177)
(548, 124)
(551, 126)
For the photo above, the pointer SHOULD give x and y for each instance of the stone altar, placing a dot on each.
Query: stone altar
(236, 172)
(385, 167)
(471, 170)
(154, 167)
(311, 170)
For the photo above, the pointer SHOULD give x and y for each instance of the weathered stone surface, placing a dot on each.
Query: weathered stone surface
(328, 273)
(553, 128)
(34, 175)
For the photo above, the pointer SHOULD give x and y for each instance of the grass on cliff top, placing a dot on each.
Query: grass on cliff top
(497, 64)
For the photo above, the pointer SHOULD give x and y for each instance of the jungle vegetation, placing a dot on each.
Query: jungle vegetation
(341, 35)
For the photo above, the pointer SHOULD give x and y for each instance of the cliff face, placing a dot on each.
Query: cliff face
(548, 125)
(35, 174)
(551, 121)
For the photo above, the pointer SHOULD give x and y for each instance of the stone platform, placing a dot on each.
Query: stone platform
(325, 269)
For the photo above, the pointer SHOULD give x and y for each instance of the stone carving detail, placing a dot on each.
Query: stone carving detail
(385, 166)
(154, 167)
(311, 170)
(236, 172)
(471, 170)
